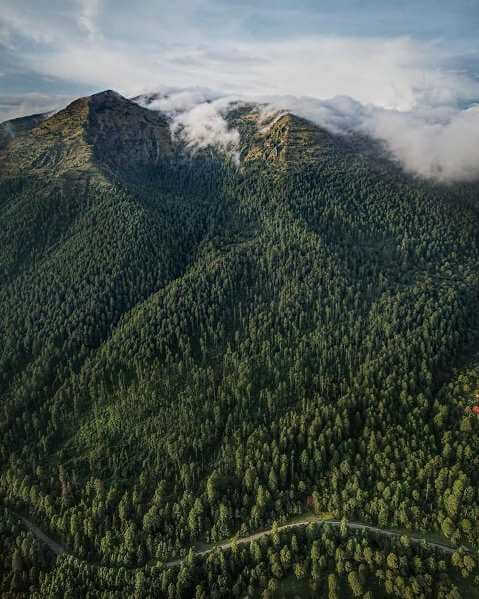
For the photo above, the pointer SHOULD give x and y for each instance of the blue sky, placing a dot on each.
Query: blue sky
(395, 54)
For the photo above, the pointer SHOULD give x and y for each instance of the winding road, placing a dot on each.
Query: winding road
(354, 525)
(59, 549)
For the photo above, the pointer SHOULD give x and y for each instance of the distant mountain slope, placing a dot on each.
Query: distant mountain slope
(13, 128)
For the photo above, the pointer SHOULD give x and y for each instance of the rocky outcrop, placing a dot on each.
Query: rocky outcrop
(124, 134)
(290, 140)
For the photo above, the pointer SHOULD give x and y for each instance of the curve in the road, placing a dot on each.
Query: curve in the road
(59, 549)
(355, 525)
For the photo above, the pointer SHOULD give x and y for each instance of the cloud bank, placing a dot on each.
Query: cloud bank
(442, 144)
(439, 142)
(204, 126)
(196, 117)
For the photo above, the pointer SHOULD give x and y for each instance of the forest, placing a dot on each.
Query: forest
(205, 351)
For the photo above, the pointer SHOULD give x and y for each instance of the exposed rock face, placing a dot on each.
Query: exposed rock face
(290, 139)
(123, 133)
(282, 139)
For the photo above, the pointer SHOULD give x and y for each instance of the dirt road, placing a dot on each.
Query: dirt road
(59, 549)
(354, 525)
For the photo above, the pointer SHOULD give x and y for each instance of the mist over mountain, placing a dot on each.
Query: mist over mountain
(440, 142)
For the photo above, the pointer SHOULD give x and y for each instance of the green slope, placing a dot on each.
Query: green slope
(191, 350)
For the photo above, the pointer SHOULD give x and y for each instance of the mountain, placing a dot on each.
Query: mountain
(194, 348)
(99, 134)
(284, 138)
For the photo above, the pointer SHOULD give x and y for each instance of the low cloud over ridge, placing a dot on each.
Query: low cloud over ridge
(439, 142)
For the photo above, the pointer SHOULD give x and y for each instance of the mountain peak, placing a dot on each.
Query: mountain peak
(104, 131)
(108, 93)
(283, 139)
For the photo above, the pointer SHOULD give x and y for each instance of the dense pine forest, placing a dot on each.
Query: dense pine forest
(195, 350)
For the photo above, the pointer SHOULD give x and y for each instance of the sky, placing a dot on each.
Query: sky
(395, 60)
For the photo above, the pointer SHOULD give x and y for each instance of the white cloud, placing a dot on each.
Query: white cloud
(94, 65)
(399, 73)
(19, 21)
(173, 100)
(88, 13)
(203, 125)
(12, 106)
(442, 144)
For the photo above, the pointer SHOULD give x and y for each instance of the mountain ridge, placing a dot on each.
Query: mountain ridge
(110, 129)
(93, 135)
